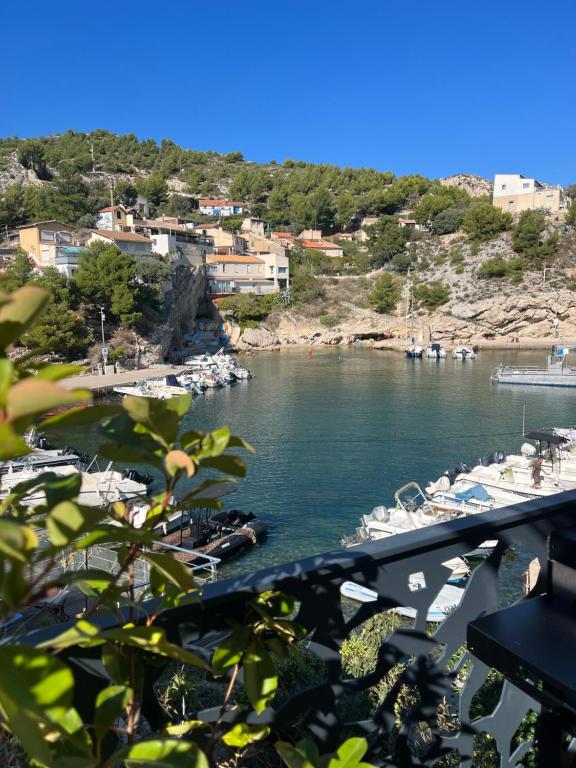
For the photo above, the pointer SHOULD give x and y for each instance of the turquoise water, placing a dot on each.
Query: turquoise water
(338, 433)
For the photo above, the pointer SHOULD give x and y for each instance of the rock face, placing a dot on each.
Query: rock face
(14, 173)
(476, 186)
(257, 338)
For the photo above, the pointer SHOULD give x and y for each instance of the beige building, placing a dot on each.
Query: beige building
(42, 240)
(235, 273)
(275, 257)
(330, 249)
(367, 221)
(514, 193)
(112, 217)
(127, 242)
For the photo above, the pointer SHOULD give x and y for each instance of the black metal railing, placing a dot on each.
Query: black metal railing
(430, 661)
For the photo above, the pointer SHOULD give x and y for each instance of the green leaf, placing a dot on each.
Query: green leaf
(230, 650)
(35, 681)
(31, 397)
(293, 757)
(58, 372)
(11, 444)
(7, 376)
(260, 680)
(27, 730)
(243, 734)
(160, 417)
(173, 571)
(182, 729)
(163, 753)
(65, 521)
(231, 465)
(350, 754)
(17, 541)
(82, 633)
(152, 640)
(239, 442)
(79, 416)
(110, 703)
(213, 443)
(113, 534)
(19, 311)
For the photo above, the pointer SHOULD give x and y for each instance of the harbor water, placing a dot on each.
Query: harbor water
(338, 432)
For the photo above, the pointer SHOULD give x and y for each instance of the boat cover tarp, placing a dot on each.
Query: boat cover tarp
(546, 437)
(477, 492)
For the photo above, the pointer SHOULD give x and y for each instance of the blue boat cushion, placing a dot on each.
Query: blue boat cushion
(477, 492)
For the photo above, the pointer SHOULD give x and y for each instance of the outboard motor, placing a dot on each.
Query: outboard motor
(462, 468)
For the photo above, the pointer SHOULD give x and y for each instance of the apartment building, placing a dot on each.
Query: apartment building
(236, 273)
(515, 193)
(42, 239)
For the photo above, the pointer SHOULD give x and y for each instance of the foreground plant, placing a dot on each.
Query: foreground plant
(58, 724)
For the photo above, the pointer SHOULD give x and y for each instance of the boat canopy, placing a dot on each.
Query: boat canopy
(546, 437)
(435, 346)
(477, 492)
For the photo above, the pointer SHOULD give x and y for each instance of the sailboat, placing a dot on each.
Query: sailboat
(412, 350)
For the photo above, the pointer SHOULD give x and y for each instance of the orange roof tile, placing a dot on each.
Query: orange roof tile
(321, 245)
(234, 259)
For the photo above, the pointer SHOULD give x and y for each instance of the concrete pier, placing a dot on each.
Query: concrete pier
(103, 385)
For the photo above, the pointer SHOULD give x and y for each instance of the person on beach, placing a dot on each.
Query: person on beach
(555, 326)
(310, 353)
(537, 472)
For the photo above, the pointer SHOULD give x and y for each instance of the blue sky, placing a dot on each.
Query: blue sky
(430, 87)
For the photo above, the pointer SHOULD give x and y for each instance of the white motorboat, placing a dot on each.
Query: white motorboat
(414, 351)
(435, 351)
(445, 601)
(464, 353)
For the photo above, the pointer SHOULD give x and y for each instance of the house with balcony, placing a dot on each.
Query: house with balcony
(275, 256)
(67, 258)
(514, 193)
(42, 239)
(237, 273)
(171, 237)
(128, 242)
(221, 207)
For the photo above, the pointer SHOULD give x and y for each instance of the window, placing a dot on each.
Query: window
(511, 205)
(282, 270)
(503, 187)
(223, 267)
(271, 270)
(118, 214)
(526, 185)
(46, 236)
(212, 268)
(248, 268)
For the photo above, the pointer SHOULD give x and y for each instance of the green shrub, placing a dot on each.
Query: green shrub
(456, 257)
(248, 308)
(431, 295)
(330, 321)
(385, 294)
(499, 267)
(459, 270)
(439, 261)
(484, 221)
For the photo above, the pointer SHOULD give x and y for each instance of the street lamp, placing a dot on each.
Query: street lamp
(104, 347)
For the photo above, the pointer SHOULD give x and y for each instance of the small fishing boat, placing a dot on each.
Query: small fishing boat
(556, 372)
(463, 353)
(435, 351)
(414, 351)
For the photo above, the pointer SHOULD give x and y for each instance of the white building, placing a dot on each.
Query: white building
(235, 273)
(514, 193)
(220, 207)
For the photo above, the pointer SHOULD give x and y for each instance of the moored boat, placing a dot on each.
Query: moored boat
(463, 353)
(556, 372)
(435, 351)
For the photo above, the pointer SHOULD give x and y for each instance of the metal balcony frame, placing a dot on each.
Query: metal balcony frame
(384, 566)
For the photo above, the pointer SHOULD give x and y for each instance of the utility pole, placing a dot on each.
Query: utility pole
(92, 154)
(112, 204)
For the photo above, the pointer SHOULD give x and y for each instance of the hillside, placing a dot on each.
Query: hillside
(471, 271)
